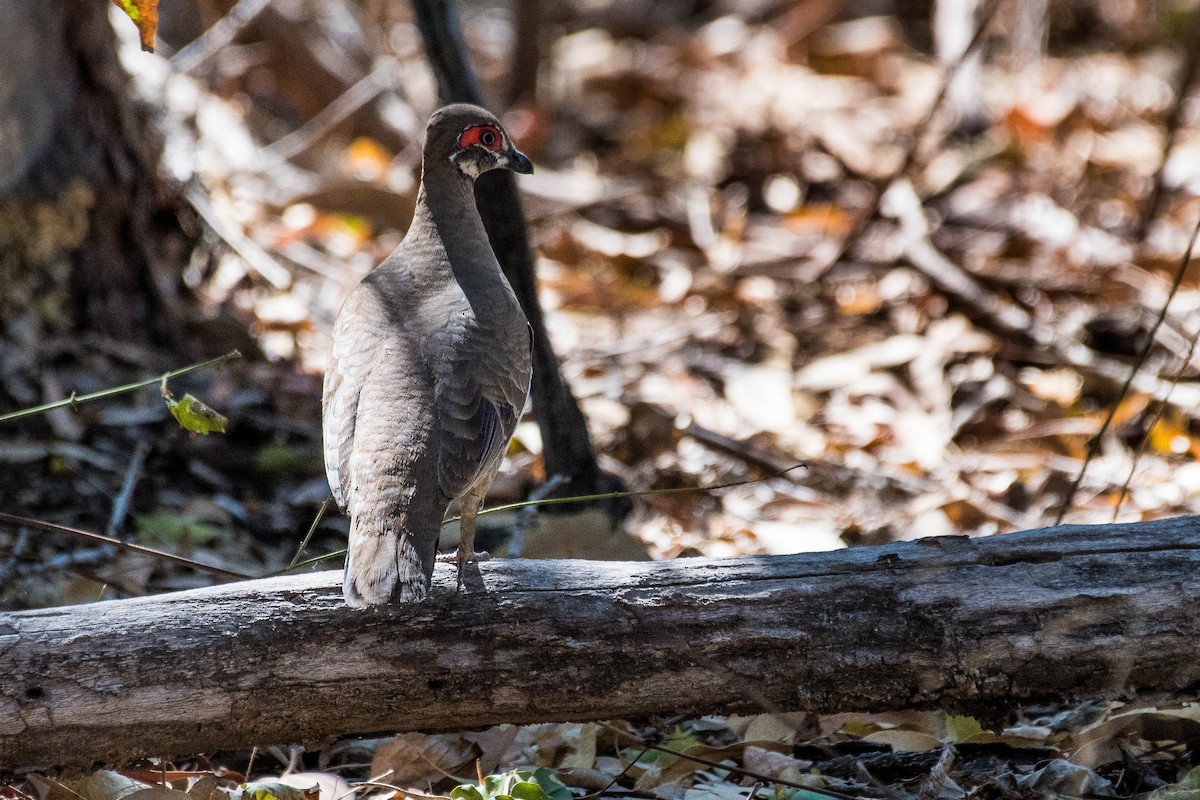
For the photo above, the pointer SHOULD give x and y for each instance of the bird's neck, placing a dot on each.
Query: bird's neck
(446, 212)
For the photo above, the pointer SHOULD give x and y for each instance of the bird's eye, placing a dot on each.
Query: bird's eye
(487, 136)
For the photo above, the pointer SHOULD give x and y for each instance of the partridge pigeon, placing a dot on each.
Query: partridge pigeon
(428, 374)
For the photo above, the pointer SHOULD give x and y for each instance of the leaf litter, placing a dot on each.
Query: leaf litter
(690, 183)
(1093, 750)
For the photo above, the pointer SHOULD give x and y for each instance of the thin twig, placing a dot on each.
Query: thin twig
(617, 777)
(311, 530)
(815, 271)
(1174, 123)
(563, 500)
(586, 498)
(1003, 317)
(75, 400)
(219, 36)
(9, 567)
(349, 101)
(1158, 412)
(755, 455)
(13, 519)
(308, 562)
(309, 258)
(250, 764)
(1097, 440)
(73, 559)
(66, 788)
(120, 507)
(1009, 320)
(252, 253)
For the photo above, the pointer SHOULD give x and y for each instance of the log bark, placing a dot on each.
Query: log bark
(975, 626)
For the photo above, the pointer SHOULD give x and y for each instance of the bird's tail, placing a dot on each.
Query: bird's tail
(384, 563)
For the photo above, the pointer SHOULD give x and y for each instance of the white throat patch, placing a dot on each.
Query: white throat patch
(467, 166)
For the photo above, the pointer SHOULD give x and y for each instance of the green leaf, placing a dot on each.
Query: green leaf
(130, 8)
(282, 459)
(1191, 780)
(551, 785)
(144, 14)
(269, 790)
(527, 790)
(960, 729)
(494, 785)
(540, 784)
(804, 794)
(813, 779)
(195, 416)
(680, 741)
(168, 527)
(583, 752)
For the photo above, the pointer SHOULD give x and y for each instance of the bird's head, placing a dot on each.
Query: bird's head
(472, 140)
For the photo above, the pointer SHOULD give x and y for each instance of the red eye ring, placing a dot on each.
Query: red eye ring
(488, 137)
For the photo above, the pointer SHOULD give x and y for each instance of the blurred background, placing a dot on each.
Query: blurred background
(916, 246)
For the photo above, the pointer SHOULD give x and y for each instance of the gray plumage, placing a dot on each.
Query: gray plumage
(429, 372)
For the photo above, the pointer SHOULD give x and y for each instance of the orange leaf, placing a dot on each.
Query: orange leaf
(144, 14)
(1026, 127)
(367, 159)
(819, 218)
(1169, 436)
(1130, 409)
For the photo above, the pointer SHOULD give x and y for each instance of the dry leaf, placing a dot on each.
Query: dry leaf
(144, 14)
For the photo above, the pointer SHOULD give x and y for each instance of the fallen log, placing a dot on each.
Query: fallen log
(976, 626)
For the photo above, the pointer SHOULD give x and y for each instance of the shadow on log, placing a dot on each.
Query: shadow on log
(975, 626)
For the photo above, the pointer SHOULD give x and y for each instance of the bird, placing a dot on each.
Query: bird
(429, 371)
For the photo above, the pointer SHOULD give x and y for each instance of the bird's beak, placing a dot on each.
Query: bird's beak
(519, 162)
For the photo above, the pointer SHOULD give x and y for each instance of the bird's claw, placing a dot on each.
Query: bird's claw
(454, 558)
(462, 559)
(466, 558)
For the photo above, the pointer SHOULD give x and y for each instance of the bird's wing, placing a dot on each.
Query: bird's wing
(480, 397)
(379, 422)
(359, 339)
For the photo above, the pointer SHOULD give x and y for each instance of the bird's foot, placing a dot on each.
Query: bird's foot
(462, 559)
(456, 558)
(467, 558)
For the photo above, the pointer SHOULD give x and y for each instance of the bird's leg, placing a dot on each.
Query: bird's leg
(469, 509)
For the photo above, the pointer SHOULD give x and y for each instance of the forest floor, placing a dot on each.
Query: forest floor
(696, 184)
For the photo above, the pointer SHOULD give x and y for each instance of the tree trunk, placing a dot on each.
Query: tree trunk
(88, 237)
(567, 448)
(974, 626)
(525, 57)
